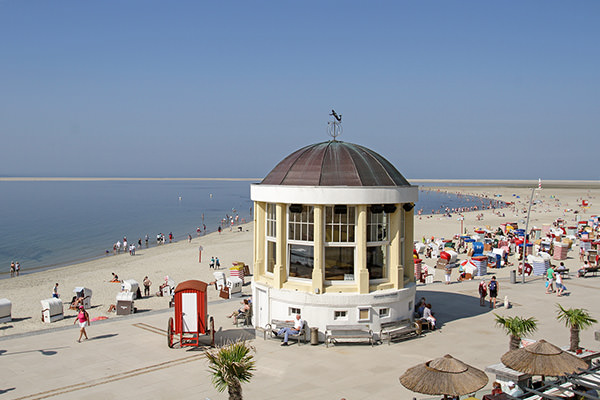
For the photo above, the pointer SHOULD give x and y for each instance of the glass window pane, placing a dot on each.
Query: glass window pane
(302, 261)
(271, 256)
(339, 263)
(377, 262)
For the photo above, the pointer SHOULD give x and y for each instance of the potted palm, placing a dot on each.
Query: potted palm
(230, 366)
(516, 327)
(575, 319)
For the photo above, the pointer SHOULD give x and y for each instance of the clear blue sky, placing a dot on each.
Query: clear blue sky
(443, 89)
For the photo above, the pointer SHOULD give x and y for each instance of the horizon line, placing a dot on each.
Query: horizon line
(560, 182)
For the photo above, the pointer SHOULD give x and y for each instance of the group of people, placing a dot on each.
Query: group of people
(492, 287)
(214, 263)
(555, 277)
(423, 313)
(15, 267)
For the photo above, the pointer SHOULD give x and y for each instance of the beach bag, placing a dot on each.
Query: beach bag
(493, 286)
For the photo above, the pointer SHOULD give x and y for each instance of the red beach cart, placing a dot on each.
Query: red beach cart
(191, 317)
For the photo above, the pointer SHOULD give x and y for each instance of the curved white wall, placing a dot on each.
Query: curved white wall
(318, 309)
(349, 195)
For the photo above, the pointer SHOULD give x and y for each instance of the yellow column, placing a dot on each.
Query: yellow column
(259, 239)
(280, 274)
(319, 251)
(362, 278)
(396, 270)
(409, 266)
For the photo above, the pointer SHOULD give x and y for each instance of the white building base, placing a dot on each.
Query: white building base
(320, 310)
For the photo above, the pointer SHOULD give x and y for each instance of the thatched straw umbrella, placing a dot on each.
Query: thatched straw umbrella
(543, 358)
(444, 376)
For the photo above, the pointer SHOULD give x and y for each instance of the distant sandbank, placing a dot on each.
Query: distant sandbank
(83, 179)
(556, 183)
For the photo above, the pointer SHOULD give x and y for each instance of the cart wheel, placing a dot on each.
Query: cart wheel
(418, 327)
(170, 333)
(212, 331)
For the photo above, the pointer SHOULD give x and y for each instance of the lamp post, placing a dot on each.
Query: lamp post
(525, 241)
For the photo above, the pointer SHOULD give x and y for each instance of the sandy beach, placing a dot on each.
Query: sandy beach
(179, 260)
(467, 330)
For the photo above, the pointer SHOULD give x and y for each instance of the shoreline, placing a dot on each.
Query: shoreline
(179, 260)
(70, 258)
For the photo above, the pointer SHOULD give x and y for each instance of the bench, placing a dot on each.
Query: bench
(588, 270)
(276, 324)
(563, 272)
(424, 324)
(397, 329)
(341, 332)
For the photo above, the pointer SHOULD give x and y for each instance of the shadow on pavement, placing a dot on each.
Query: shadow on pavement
(108, 335)
(453, 306)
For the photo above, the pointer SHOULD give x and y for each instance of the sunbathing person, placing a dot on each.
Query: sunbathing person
(76, 301)
(242, 310)
(115, 278)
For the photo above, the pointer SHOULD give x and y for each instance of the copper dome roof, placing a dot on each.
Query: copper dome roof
(335, 163)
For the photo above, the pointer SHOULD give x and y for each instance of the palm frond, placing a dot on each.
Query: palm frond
(231, 364)
(516, 326)
(578, 318)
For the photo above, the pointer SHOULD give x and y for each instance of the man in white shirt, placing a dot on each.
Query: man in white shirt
(298, 323)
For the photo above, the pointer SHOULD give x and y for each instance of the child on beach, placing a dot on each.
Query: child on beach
(560, 288)
(482, 292)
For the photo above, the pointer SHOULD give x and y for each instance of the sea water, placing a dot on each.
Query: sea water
(44, 224)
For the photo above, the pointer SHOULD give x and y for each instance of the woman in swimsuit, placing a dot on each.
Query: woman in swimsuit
(84, 319)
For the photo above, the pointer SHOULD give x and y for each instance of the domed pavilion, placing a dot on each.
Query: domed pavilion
(333, 239)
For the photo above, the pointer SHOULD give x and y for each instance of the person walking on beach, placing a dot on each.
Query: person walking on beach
(17, 268)
(493, 288)
(482, 292)
(147, 239)
(549, 280)
(448, 273)
(139, 242)
(211, 264)
(560, 288)
(189, 238)
(83, 318)
(147, 284)
(55, 291)
(12, 269)
(217, 263)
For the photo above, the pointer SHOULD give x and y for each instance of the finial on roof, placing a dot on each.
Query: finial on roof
(334, 128)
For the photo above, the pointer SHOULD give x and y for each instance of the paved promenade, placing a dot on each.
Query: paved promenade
(128, 356)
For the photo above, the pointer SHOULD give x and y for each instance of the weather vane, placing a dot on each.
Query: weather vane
(334, 128)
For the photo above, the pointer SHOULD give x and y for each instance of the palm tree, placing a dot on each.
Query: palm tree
(230, 365)
(575, 319)
(516, 327)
